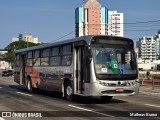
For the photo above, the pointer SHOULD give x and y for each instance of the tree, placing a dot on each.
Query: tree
(20, 45)
(10, 55)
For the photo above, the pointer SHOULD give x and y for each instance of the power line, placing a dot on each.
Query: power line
(115, 23)
(142, 26)
(143, 22)
(64, 36)
(114, 29)
(142, 30)
(156, 21)
(70, 33)
(134, 23)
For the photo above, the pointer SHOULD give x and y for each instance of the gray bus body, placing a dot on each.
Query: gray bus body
(87, 66)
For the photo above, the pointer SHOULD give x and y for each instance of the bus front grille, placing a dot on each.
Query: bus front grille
(114, 92)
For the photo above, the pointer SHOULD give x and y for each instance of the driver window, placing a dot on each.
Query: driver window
(128, 57)
(102, 58)
(127, 60)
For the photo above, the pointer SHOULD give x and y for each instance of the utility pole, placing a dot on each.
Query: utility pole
(83, 2)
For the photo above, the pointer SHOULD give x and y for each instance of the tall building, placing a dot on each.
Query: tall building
(157, 39)
(20, 37)
(138, 45)
(14, 39)
(115, 23)
(136, 52)
(92, 19)
(149, 47)
(27, 37)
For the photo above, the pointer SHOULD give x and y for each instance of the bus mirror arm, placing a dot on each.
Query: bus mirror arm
(89, 56)
(132, 64)
(89, 60)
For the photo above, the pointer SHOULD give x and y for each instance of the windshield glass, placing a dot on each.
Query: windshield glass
(120, 61)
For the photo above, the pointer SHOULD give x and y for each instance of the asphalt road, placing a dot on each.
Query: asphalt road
(15, 100)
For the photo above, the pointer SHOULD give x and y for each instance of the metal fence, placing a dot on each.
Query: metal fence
(150, 80)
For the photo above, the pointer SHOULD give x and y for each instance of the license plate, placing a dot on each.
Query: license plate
(119, 90)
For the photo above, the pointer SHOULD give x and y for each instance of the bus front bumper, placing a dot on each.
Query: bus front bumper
(96, 89)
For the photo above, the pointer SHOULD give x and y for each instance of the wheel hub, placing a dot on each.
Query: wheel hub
(29, 85)
(69, 90)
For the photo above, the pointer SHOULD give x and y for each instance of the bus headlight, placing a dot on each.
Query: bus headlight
(103, 83)
(131, 83)
(137, 80)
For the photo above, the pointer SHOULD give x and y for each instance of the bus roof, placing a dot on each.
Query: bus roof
(87, 38)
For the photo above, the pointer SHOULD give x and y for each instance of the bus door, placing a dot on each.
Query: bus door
(79, 67)
(22, 72)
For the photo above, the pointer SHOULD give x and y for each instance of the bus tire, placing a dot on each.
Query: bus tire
(68, 91)
(29, 85)
(106, 98)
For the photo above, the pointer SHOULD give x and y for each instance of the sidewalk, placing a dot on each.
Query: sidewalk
(147, 90)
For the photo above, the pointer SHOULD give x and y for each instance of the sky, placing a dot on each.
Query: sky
(50, 20)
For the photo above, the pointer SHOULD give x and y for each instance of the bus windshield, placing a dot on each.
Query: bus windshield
(114, 61)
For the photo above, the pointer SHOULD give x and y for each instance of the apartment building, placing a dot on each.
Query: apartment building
(28, 37)
(115, 23)
(147, 48)
(93, 19)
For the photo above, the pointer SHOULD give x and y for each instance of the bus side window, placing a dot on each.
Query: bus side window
(36, 60)
(17, 57)
(55, 56)
(29, 61)
(45, 57)
(67, 52)
(17, 60)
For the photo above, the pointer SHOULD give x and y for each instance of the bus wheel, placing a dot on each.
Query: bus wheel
(29, 86)
(68, 93)
(106, 98)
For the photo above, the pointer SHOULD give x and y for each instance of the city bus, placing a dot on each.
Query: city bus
(103, 66)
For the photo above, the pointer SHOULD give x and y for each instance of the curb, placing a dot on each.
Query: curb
(150, 93)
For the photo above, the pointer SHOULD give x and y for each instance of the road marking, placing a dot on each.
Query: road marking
(24, 94)
(152, 105)
(1, 118)
(79, 108)
(150, 93)
(91, 111)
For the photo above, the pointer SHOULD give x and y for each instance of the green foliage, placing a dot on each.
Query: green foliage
(1, 57)
(10, 55)
(20, 45)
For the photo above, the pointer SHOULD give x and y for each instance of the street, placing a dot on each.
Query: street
(15, 98)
